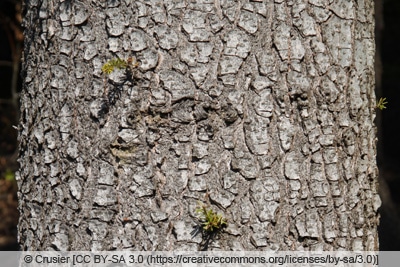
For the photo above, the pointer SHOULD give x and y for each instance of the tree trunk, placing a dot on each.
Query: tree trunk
(261, 110)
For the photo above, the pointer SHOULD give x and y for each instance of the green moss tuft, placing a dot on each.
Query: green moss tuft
(381, 103)
(111, 65)
(210, 220)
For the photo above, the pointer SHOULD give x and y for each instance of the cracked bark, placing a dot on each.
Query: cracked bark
(264, 109)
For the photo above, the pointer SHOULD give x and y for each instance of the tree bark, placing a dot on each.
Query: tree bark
(262, 110)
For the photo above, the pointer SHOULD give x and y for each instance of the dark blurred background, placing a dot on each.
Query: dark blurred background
(10, 84)
(387, 80)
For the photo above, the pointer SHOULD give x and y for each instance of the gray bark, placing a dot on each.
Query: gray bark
(263, 109)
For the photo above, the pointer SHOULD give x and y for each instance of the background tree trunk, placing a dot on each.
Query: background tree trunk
(263, 109)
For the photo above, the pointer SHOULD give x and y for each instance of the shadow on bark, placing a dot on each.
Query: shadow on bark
(207, 236)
